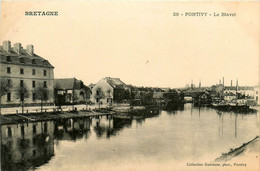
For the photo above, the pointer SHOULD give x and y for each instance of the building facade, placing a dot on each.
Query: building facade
(23, 68)
(109, 90)
(71, 91)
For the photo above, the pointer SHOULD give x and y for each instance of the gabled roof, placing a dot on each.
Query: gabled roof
(33, 60)
(69, 84)
(64, 83)
(115, 82)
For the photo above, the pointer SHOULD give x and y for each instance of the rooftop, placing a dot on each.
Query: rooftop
(21, 56)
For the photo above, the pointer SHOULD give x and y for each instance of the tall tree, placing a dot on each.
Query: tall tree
(5, 86)
(22, 93)
(42, 93)
(99, 95)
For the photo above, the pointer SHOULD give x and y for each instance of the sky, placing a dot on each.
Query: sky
(141, 43)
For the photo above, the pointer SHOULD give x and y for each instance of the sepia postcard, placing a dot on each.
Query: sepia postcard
(129, 85)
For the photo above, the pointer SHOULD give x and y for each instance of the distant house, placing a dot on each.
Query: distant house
(247, 91)
(229, 96)
(112, 90)
(71, 91)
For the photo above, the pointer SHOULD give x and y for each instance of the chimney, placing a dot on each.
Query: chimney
(7, 46)
(231, 83)
(223, 82)
(200, 84)
(29, 49)
(18, 48)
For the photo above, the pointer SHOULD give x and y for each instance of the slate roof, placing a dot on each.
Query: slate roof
(27, 59)
(116, 82)
(64, 83)
(70, 84)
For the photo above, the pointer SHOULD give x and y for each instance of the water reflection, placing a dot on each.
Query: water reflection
(171, 135)
(72, 129)
(26, 145)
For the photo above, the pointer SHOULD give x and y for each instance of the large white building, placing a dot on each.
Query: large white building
(22, 67)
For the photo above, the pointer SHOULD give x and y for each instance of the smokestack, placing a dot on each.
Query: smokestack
(237, 85)
(7, 46)
(231, 83)
(29, 49)
(200, 84)
(18, 48)
(223, 82)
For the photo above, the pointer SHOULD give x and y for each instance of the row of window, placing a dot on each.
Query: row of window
(9, 130)
(8, 70)
(33, 83)
(9, 96)
(8, 59)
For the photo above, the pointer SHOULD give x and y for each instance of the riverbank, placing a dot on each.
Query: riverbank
(251, 146)
(33, 117)
(125, 112)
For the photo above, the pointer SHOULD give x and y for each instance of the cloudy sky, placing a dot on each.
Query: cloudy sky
(140, 42)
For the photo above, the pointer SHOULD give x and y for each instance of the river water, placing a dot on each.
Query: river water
(163, 142)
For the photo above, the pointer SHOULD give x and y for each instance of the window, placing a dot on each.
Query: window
(34, 129)
(34, 153)
(9, 83)
(21, 71)
(45, 151)
(8, 97)
(9, 131)
(8, 70)
(33, 71)
(33, 61)
(34, 96)
(45, 84)
(21, 60)
(44, 72)
(22, 130)
(33, 84)
(21, 83)
(8, 59)
(34, 140)
(45, 127)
